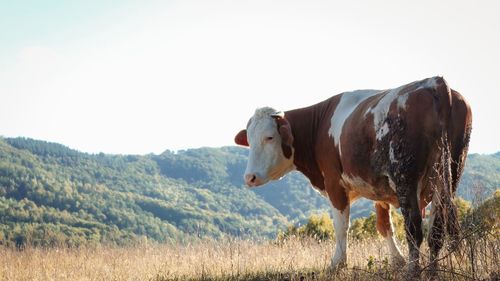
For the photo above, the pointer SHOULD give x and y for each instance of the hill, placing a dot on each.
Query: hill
(51, 194)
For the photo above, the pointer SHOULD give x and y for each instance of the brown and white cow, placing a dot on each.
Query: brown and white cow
(403, 147)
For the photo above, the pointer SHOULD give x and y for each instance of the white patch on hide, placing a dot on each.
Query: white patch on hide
(392, 157)
(347, 104)
(429, 83)
(381, 110)
(392, 185)
(382, 131)
(341, 226)
(356, 184)
(356, 187)
(402, 101)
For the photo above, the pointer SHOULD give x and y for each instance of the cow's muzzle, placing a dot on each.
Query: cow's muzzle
(253, 180)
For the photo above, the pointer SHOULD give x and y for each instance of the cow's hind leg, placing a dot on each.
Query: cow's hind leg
(436, 235)
(404, 175)
(385, 228)
(413, 226)
(405, 168)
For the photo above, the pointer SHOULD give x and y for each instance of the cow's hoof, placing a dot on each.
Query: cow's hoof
(432, 276)
(432, 272)
(336, 267)
(413, 271)
(398, 262)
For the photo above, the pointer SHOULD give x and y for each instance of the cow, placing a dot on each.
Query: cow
(403, 147)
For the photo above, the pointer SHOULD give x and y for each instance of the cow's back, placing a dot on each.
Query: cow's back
(390, 130)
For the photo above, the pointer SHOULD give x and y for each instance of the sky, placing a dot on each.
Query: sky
(138, 77)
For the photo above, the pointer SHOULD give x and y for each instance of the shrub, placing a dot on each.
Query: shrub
(485, 218)
(363, 228)
(318, 227)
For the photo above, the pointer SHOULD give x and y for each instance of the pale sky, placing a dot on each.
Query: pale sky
(136, 77)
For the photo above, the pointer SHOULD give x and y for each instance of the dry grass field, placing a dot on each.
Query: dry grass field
(231, 259)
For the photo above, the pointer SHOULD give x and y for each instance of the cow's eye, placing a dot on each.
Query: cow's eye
(269, 138)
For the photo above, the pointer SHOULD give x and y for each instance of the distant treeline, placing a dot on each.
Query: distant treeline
(52, 195)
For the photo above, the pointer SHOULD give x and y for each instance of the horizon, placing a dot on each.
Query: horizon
(140, 78)
(170, 150)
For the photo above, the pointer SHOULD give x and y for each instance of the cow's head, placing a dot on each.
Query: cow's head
(270, 139)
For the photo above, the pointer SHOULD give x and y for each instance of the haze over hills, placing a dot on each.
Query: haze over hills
(51, 194)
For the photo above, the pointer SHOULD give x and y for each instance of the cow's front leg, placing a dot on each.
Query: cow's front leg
(341, 207)
(341, 226)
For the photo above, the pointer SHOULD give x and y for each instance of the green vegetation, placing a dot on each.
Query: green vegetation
(319, 227)
(483, 219)
(52, 195)
(481, 177)
(363, 228)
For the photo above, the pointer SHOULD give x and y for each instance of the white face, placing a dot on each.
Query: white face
(266, 160)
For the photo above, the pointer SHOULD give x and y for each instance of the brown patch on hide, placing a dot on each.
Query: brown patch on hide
(286, 135)
(383, 218)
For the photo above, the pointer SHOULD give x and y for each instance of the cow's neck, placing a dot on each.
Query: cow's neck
(305, 123)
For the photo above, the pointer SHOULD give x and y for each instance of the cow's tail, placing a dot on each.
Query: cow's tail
(443, 195)
(448, 208)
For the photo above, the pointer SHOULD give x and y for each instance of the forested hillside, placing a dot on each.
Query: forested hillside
(51, 194)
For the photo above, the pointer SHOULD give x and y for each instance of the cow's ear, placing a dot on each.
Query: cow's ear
(241, 138)
(286, 136)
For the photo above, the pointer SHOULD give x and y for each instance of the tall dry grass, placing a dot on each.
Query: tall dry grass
(226, 259)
